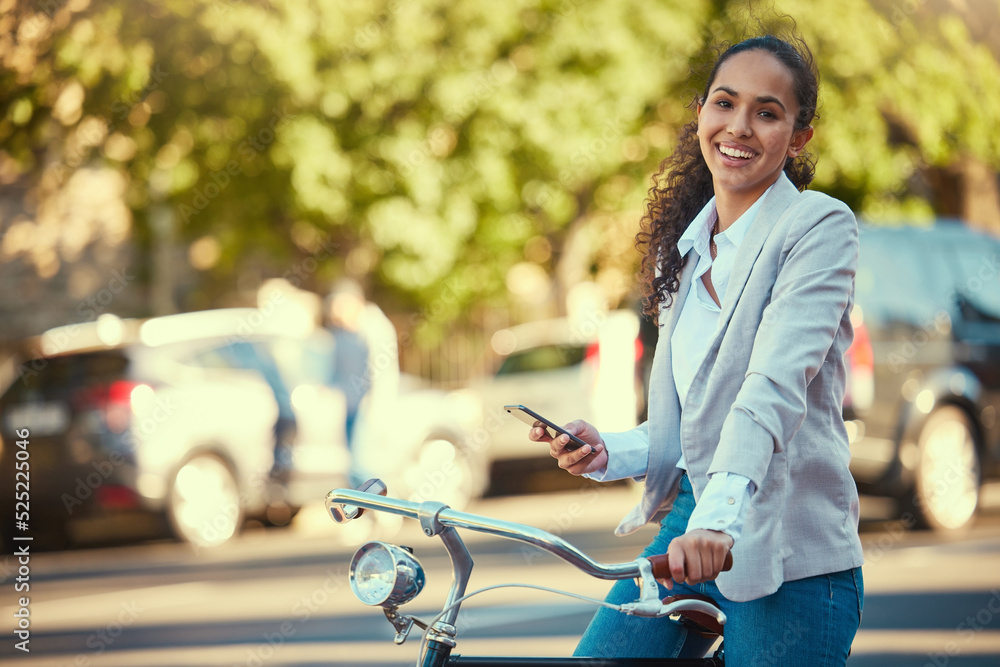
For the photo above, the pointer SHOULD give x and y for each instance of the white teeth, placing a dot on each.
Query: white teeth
(733, 152)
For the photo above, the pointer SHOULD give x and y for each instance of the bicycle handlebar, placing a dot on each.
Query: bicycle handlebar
(447, 516)
(438, 519)
(508, 529)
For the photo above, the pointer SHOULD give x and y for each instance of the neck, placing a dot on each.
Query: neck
(730, 209)
(731, 204)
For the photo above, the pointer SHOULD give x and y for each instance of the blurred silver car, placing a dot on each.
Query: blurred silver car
(563, 369)
(422, 443)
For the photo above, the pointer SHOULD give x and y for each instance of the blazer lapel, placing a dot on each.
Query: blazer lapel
(665, 450)
(779, 199)
(687, 270)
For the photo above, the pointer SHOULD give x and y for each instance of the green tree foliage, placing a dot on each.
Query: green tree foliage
(435, 144)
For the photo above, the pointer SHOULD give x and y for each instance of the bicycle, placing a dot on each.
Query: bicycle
(389, 576)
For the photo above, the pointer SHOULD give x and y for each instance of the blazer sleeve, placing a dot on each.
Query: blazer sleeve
(811, 292)
(628, 455)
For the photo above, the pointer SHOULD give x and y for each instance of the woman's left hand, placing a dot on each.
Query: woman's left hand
(697, 556)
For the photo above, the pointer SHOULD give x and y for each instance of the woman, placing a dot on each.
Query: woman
(751, 279)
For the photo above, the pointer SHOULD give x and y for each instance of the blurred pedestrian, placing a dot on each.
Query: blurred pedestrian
(751, 279)
(366, 363)
(350, 357)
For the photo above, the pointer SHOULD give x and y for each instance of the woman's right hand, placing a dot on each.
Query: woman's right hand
(589, 458)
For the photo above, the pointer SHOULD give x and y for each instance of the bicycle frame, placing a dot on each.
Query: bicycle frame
(437, 519)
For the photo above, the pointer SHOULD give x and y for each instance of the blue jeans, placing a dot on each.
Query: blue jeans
(810, 621)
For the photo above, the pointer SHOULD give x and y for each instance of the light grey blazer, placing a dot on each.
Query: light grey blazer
(767, 401)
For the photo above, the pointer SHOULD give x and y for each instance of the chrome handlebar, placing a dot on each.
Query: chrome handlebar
(438, 519)
(430, 513)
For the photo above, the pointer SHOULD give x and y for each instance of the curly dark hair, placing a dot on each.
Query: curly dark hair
(683, 184)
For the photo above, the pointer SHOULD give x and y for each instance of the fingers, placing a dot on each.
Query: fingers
(579, 461)
(538, 434)
(678, 562)
(569, 457)
(574, 460)
(698, 556)
(580, 428)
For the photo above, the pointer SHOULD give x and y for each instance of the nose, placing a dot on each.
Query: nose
(739, 125)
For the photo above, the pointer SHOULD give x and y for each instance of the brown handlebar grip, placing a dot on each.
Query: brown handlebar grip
(661, 566)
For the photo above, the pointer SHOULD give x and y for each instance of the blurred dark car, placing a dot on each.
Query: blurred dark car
(139, 425)
(924, 370)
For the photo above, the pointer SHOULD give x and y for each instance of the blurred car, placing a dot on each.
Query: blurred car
(416, 438)
(924, 370)
(124, 434)
(420, 441)
(563, 370)
(310, 447)
(184, 420)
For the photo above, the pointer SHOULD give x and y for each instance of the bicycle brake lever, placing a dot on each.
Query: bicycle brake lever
(649, 604)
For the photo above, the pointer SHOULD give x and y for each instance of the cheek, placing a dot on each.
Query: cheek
(779, 143)
(704, 136)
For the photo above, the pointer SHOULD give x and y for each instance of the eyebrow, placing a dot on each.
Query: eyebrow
(763, 99)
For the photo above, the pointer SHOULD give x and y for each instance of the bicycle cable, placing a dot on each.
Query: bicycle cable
(430, 625)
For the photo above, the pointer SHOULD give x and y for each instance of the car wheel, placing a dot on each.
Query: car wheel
(445, 472)
(948, 472)
(204, 502)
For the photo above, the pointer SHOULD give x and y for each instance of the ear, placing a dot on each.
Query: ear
(799, 140)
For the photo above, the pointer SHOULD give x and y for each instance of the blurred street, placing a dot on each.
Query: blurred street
(280, 596)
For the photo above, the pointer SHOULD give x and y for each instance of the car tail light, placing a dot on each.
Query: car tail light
(119, 401)
(116, 497)
(118, 409)
(120, 392)
(860, 391)
(593, 352)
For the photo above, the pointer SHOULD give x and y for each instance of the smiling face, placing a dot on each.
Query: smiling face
(746, 127)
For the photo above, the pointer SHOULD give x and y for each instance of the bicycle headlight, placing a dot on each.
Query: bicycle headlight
(384, 574)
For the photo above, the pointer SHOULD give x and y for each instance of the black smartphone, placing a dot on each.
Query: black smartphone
(533, 419)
